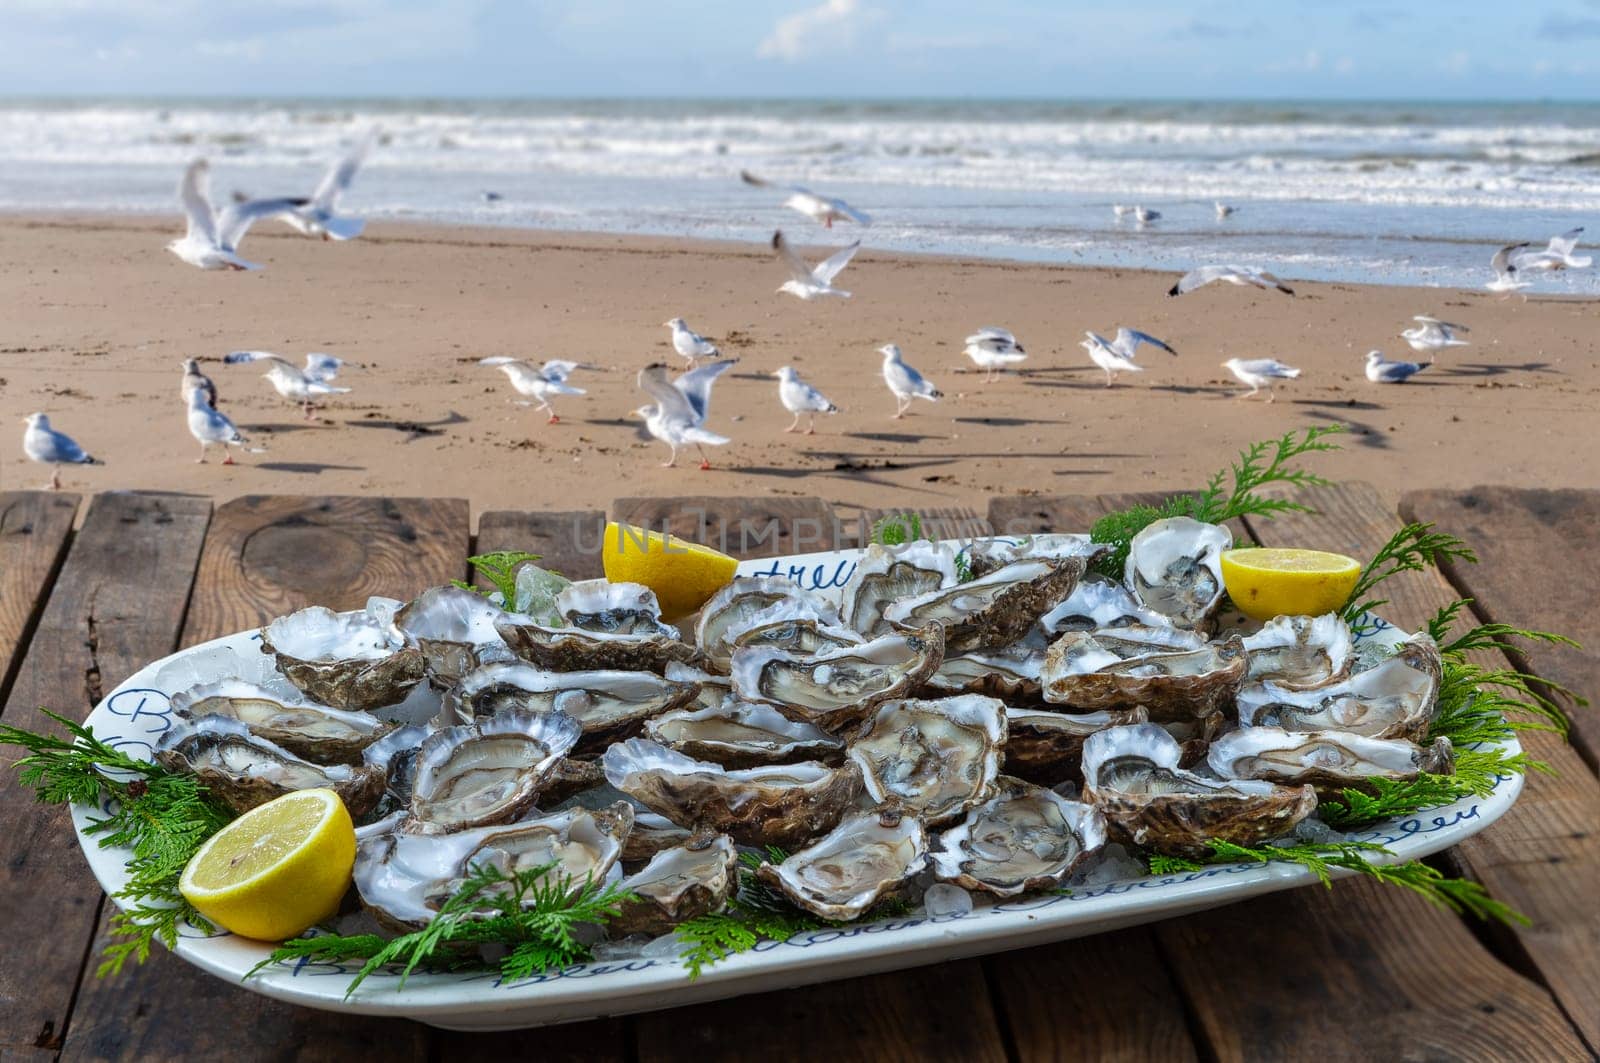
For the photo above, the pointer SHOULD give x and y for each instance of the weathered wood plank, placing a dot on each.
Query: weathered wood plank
(34, 529)
(743, 527)
(1525, 540)
(1033, 514)
(265, 556)
(602, 1039)
(924, 1013)
(568, 543)
(1541, 856)
(938, 522)
(117, 605)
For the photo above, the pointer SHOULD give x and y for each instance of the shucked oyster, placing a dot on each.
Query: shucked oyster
(1132, 774)
(578, 649)
(677, 885)
(608, 705)
(986, 555)
(1024, 838)
(732, 610)
(486, 772)
(713, 688)
(886, 574)
(455, 630)
(613, 609)
(244, 770)
(1395, 699)
(797, 628)
(1332, 761)
(932, 759)
(991, 611)
(1010, 674)
(285, 718)
(740, 734)
(1046, 747)
(772, 805)
(1172, 673)
(857, 864)
(1175, 567)
(837, 688)
(1297, 652)
(345, 660)
(1097, 602)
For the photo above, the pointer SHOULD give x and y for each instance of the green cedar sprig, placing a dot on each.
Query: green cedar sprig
(897, 529)
(500, 569)
(1411, 549)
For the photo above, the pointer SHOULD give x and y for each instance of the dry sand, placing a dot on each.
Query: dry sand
(96, 317)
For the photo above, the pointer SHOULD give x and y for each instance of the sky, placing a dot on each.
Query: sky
(1465, 49)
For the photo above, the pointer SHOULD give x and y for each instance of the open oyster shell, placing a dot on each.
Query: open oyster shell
(285, 718)
(1132, 774)
(576, 649)
(677, 885)
(1171, 673)
(857, 864)
(733, 610)
(486, 772)
(780, 805)
(714, 689)
(838, 688)
(350, 661)
(652, 833)
(742, 734)
(1297, 652)
(1010, 674)
(1394, 699)
(455, 630)
(1332, 761)
(1024, 838)
(986, 555)
(613, 609)
(931, 759)
(1175, 568)
(795, 628)
(1047, 747)
(886, 574)
(1097, 602)
(991, 611)
(244, 770)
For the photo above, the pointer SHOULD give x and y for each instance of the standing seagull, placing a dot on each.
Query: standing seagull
(1432, 335)
(316, 217)
(1557, 256)
(809, 283)
(1117, 356)
(798, 398)
(1258, 373)
(45, 445)
(213, 235)
(992, 350)
(1382, 371)
(538, 383)
(194, 380)
(1506, 269)
(825, 209)
(1122, 210)
(906, 383)
(208, 427)
(678, 415)
(1223, 209)
(1243, 276)
(689, 343)
(1144, 215)
(288, 380)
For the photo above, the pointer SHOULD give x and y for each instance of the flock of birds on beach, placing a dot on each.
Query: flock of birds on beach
(680, 404)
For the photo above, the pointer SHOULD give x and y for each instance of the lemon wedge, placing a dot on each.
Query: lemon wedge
(684, 575)
(1265, 582)
(277, 869)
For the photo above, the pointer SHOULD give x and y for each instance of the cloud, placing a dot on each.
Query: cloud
(828, 25)
(1568, 27)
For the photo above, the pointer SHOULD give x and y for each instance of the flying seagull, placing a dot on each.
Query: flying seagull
(1117, 355)
(689, 343)
(1382, 371)
(323, 368)
(1258, 373)
(798, 398)
(48, 447)
(317, 217)
(821, 208)
(288, 380)
(992, 350)
(1506, 270)
(1432, 335)
(811, 283)
(194, 380)
(538, 382)
(213, 236)
(208, 427)
(906, 383)
(1557, 256)
(1243, 276)
(678, 415)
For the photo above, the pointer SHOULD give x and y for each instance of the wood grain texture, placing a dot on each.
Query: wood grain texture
(1543, 856)
(568, 543)
(267, 555)
(938, 522)
(117, 604)
(743, 527)
(1521, 537)
(578, 1042)
(34, 529)
(1032, 514)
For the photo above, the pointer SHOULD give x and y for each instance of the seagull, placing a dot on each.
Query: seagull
(1240, 275)
(194, 380)
(1258, 373)
(678, 415)
(316, 216)
(538, 383)
(213, 235)
(1382, 371)
(1432, 335)
(1557, 256)
(323, 368)
(821, 208)
(289, 381)
(44, 444)
(1505, 268)
(906, 383)
(798, 398)
(992, 349)
(1144, 215)
(689, 343)
(1122, 210)
(1116, 356)
(1223, 209)
(809, 283)
(208, 427)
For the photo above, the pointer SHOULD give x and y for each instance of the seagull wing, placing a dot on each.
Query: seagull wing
(194, 192)
(235, 219)
(850, 212)
(793, 262)
(673, 403)
(1269, 367)
(239, 357)
(337, 180)
(1566, 243)
(1199, 278)
(65, 449)
(556, 370)
(829, 268)
(695, 385)
(322, 367)
(1128, 341)
(1502, 262)
(990, 335)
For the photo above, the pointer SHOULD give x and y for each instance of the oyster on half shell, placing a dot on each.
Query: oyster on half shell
(742, 734)
(854, 866)
(613, 608)
(1394, 699)
(1024, 838)
(1172, 673)
(576, 649)
(994, 610)
(1046, 747)
(886, 574)
(932, 759)
(353, 661)
(1332, 761)
(733, 609)
(244, 770)
(490, 771)
(1097, 602)
(1175, 567)
(677, 885)
(455, 630)
(1297, 652)
(285, 718)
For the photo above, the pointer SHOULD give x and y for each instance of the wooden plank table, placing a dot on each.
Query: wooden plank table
(1360, 972)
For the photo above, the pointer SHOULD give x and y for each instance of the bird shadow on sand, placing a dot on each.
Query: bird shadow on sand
(1338, 404)
(892, 437)
(1366, 435)
(412, 429)
(1009, 422)
(307, 468)
(1491, 369)
(277, 427)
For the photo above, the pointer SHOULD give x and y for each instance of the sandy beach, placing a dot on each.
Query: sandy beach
(98, 317)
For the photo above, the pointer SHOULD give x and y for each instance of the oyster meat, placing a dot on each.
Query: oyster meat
(244, 770)
(1024, 838)
(613, 609)
(932, 759)
(352, 661)
(733, 609)
(455, 630)
(1046, 747)
(1332, 761)
(1172, 673)
(796, 628)
(713, 688)
(986, 555)
(285, 718)
(1394, 699)
(838, 688)
(677, 885)
(1297, 652)
(608, 705)
(886, 574)
(742, 734)
(1097, 602)
(991, 611)
(1175, 568)
(576, 649)
(857, 864)
(1010, 674)
(491, 771)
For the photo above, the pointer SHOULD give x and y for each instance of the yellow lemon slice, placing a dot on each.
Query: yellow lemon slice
(1265, 582)
(683, 574)
(277, 869)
